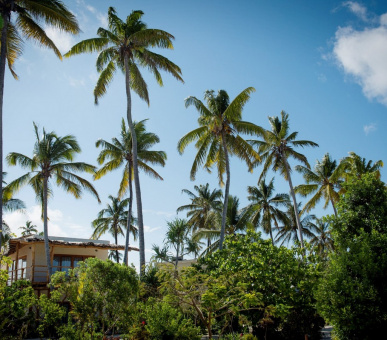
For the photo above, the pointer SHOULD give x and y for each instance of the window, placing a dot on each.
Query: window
(65, 262)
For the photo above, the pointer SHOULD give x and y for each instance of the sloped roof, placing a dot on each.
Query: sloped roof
(64, 241)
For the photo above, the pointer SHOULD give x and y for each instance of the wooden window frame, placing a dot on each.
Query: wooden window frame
(59, 267)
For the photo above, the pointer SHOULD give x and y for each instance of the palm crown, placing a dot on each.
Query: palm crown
(52, 159)
(324, 181)
(220, 121)
(113, 219)
(128, 40)
(263, 208)
(203, 207)
(119, 152)
(29, 15)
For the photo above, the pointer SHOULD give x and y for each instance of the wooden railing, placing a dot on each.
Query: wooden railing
(37, 274)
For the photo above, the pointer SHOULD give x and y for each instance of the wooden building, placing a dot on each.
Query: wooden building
(29, 258)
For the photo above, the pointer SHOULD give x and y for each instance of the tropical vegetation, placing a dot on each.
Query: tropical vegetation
(125, 46)
(309, 270)
(119, 152)
(29, 16)
(218, 137)
(52, 159)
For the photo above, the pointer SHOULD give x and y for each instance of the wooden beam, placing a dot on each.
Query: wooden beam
(33, 263)
(17, 261)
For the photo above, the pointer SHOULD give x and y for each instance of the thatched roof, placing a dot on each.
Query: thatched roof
(64, 241)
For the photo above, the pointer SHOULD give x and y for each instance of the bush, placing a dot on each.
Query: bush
(159, 320)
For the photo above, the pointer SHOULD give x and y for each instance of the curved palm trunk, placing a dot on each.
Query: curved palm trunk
(333, 206)
(226, 192)
(116, 240)
(3, 54)
(45, 228)
(135, 170)
(294, 201)
(271, 231)
(128, 220)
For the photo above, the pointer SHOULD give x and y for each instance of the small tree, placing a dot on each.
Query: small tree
(101, 295)
(177, 238)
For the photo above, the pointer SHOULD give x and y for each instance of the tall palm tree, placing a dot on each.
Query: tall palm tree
(28, 229)
(264, 206)
(29, 15)
(288, 230)
(276, 149)
(125, 45)
(119, 153)
(204, 207)
(356, 166)
(324, 182)
(52, 159)
(218, 136)
(113, 219)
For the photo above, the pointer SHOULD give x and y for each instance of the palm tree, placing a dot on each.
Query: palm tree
(29, 15)
(288, 231)
(9, 203)
(114, 256)
(276, 149)
(218, 137)
(28, 229)
(52, 159)
(237, 221)
(322, 239)
(125, 46)
(120, 152)
(355, 166)
(177, 237)
(263, 207)
(113, 219)
(203, 208)
(324, 181)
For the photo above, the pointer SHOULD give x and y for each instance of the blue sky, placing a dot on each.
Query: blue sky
(324, 63)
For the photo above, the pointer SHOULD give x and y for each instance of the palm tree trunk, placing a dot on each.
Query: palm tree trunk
(294, 201)
(333, 206)
(226, 192)
(135, 170)
(116, 240)
(3, 54)
(45, 228)
(128, 220)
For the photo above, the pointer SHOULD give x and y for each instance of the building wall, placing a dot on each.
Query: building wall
(40, 257)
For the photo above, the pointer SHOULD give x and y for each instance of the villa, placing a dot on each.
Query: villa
(29, 259)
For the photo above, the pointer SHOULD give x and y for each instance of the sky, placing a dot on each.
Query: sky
(323, 62)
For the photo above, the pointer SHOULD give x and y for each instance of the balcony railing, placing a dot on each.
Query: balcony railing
(37, 274)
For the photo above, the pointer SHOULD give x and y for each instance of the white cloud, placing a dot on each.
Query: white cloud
(159, 213)
(322, 77)
(63, 41)
(57, 226)
(357, 9)
(369, 128)
(383, 19)
(74, 82)
(102, 18)
(363, 55)
(148, 229)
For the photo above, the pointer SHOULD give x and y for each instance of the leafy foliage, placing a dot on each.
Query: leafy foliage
(279, 277)
(101, 295)
(353, 294)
